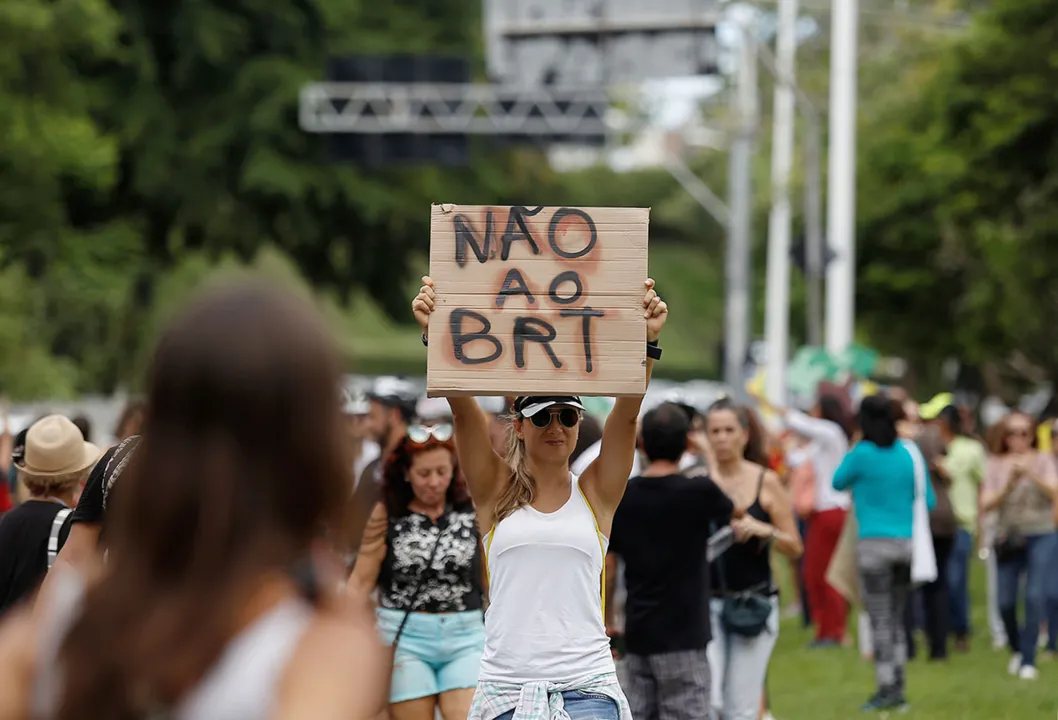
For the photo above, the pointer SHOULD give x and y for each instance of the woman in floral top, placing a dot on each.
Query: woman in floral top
(421, 553)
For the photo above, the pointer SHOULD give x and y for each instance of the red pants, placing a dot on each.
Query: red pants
(829, 609)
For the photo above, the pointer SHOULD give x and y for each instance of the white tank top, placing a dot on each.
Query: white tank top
(546, 579)
(242, 685)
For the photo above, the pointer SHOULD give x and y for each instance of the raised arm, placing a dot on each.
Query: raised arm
(482, 467)
(605, 479)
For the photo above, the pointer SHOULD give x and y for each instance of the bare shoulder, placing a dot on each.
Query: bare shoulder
(339, 669)
(772, 489)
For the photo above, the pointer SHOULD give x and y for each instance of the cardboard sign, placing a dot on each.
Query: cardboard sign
(537, 300)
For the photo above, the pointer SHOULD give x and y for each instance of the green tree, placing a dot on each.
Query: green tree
(960, 241)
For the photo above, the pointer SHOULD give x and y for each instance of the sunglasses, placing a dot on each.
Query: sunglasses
(420, 433)
(567, 417)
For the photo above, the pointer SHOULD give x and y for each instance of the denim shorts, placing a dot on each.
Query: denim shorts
(437, 652)
(582, 706)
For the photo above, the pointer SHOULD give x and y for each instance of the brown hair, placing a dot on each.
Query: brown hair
(397, 492)
(131, 420)
(997, 434)
(756, 436)
(240, 466)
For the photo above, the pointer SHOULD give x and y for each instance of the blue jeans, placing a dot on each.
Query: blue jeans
(959, 583)
(582, 706)
(1033, 564)
(1051, 592)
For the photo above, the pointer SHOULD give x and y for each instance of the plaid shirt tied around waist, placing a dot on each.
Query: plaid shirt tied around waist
(542, 700)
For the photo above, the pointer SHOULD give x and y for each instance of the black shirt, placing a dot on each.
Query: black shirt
(747, 566)
(660, 530)
(452, 583)
(24, 534)
(96, 496)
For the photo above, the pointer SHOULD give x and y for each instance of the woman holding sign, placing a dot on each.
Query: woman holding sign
(545, 533)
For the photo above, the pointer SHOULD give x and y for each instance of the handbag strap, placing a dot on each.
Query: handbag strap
(418, 585)
(918, 462)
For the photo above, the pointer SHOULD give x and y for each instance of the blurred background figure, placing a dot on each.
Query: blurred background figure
(739, 656)
(393, 402)
(433, 411)
(963, 465)
(53, 466)
(880, 472)
(1051, 591)
(422, 554)
(665, 634)
(218, 596)
(829, 430)
(362, 447)
(131, 421)
(392, 405)
(801, 483)
(1021, 484)
(928, 606)
(84, 425)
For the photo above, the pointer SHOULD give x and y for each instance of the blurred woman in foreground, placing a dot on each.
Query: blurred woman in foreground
(214, 602)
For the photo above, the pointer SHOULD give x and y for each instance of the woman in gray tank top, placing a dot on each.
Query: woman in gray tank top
(218, 599)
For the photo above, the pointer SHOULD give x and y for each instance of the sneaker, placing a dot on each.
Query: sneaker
(1014, 666)
(999, 643)
(880, 703)
(1028, 672)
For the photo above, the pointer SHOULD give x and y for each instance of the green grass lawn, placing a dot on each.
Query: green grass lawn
(832, 684)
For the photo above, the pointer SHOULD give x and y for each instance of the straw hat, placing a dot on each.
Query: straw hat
(55, 446)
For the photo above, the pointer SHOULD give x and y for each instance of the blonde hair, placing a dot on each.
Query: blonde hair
(40, 485)
(520, 487)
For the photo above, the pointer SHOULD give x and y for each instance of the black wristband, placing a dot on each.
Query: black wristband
(424, 342)
(653, 351)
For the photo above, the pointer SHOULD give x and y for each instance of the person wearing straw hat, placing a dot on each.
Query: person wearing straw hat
(52, 467)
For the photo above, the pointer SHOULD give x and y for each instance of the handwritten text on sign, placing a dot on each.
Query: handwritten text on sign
(537, 300)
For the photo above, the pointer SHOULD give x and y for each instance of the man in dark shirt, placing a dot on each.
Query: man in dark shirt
(661, 530)
(52, 463)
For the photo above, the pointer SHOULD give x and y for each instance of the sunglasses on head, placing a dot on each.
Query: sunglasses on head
(421, 433)
(567, 417)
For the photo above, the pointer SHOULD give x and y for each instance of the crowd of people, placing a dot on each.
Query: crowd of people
(256, 530)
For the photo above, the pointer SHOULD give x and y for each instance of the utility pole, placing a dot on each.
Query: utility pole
(737, 321)
(841, 195)
(813, 198)
(777, 302)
